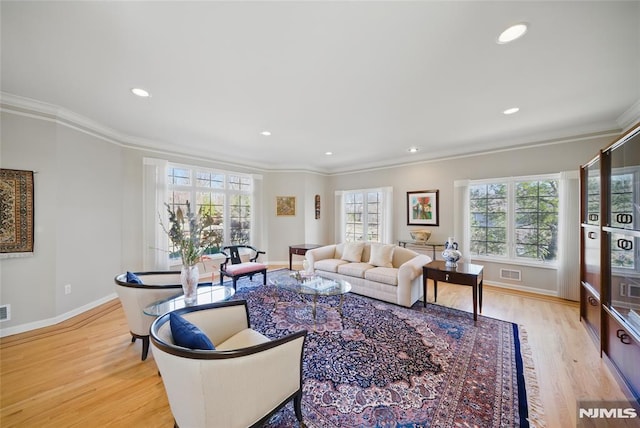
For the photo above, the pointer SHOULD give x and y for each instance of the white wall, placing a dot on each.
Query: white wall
(77, 220)
(442, 174)
(88, 210)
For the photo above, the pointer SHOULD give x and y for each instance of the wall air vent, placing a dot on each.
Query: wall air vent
(514, 275)
(5, 313)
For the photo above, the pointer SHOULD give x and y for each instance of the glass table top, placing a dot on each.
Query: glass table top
(312, 284)
(206, 294)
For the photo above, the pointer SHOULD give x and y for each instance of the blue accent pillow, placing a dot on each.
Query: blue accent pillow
(188, 335)
(132, 278)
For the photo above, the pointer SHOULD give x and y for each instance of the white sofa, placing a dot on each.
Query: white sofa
(385, 272)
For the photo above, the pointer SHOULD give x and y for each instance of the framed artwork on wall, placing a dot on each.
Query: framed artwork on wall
(16, 212)
(285, 206)
(422, 208)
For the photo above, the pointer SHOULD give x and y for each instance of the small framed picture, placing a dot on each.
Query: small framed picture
(422, 208)
(285, 205)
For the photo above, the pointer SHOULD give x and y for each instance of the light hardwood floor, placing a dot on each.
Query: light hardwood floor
(86, 372)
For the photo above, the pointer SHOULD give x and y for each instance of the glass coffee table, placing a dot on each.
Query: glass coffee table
(206, 294)
(314, 285)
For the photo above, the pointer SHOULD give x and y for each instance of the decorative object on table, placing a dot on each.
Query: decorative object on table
(306, 266)
(286, 206)
(16, 212)
(414, 366)
(451, 254)
(191, 234)
(422, 208)
(317, 207)
(420, 235)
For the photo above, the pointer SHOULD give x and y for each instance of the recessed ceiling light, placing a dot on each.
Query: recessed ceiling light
(413, 150)
(140, 92)
(265, 133)
(512, 33)
(511, 110)
(328, 153)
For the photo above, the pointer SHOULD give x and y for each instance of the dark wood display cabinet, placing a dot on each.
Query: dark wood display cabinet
(590, 269)
(610, 255)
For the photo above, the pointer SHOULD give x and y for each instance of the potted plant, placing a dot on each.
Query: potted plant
(191, 234)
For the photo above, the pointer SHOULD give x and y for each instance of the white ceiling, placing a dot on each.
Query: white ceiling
(365, 80)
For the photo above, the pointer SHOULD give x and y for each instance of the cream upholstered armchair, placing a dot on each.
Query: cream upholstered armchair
(137, 291)
(240, 383)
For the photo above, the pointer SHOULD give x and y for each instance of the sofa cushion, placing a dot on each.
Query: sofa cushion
(329, 265)
(352, 251)
(242, 339)
(244, 268)
(354, 269)
(188, 335)
(381, 255)
(382, 274)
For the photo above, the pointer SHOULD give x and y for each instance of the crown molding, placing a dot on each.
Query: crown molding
(44, 111)
(630, 117)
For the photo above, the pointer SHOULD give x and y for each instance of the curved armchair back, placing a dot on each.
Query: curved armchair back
(241, 383)
(135, 297)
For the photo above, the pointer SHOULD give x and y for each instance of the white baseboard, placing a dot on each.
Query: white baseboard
(553, 293)
(51, 321)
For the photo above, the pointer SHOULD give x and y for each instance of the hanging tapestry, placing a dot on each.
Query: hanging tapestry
(16, 211)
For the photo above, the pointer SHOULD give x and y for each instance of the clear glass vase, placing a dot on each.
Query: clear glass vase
(189, 276)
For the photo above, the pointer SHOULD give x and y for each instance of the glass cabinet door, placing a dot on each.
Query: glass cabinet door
(624, 185)
(624, 288)
(592, 193)
(624, 229)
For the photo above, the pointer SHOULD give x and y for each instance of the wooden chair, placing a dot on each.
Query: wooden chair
(235, 268)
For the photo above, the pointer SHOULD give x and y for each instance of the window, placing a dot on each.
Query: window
(515, 218)
(364, 215)
(488, 206)
(226, 197)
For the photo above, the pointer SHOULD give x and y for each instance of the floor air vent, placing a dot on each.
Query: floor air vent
(5, 313)
(514, 275)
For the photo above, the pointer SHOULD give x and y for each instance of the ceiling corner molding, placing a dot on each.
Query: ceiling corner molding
(630, 117)
(34, 108)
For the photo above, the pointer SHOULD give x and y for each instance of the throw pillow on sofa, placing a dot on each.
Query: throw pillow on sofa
(381, 255)
(352, 251)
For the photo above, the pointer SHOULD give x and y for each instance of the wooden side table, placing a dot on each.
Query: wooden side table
(463, 274)
(299, 250)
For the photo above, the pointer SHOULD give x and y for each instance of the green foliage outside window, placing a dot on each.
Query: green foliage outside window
(530, 226)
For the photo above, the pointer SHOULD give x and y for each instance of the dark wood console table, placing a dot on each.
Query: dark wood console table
(417, 244)
(299, 250)
(463, 274)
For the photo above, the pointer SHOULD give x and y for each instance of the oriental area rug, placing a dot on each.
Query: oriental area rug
(383, 365)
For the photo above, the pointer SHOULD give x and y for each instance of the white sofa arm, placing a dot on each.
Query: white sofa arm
(321, 253)
(409, 274)
(409, 270)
